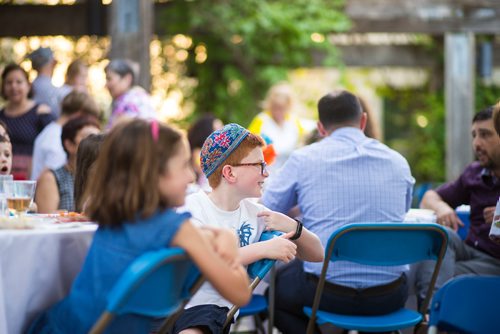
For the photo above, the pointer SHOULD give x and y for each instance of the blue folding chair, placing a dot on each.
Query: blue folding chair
(157, 284)
(386, 244)
(258, 304)
(467, 305)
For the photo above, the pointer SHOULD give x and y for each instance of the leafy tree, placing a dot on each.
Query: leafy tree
(414, 124)
(249, 46)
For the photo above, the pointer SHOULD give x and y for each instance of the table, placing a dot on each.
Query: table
(37, 268)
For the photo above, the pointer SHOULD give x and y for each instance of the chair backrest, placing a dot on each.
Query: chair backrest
(387, 244)
(261, 268)
(467, 305)
(384, 244)
(257, 271)
(156, 284)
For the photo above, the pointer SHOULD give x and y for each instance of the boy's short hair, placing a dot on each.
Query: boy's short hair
(226, 146)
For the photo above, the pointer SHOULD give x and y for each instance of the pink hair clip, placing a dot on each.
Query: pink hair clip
(155, 130)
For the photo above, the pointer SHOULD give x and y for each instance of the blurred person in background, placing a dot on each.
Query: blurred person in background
(197, 133)
(129, 100)
(87, 154)
(278, 124)
(55, 187)
(48, 151)
(43, 62)
(5, 155)
(77, 76)
(3, 130)
(24, 118)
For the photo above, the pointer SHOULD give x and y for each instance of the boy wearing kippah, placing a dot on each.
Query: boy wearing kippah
(233, 162)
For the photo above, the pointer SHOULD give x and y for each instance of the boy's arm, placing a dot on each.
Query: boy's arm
(309, 246)
(229, 279)
(279, 248)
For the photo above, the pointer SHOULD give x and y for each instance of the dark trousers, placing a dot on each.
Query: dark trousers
(295, 289)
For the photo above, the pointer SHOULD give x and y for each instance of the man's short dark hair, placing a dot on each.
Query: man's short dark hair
(483, 115)
(339, 107)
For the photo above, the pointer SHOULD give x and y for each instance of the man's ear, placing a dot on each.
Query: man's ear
(363, 121)
(228, 174)
(70, 146)
(321, 129)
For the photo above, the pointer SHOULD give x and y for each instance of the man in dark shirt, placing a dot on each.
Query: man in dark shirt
(478, 186)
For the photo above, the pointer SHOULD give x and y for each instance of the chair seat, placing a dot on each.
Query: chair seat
(380, 323)
(257, 304)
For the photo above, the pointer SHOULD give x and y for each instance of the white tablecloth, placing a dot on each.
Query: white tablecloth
(37, 268)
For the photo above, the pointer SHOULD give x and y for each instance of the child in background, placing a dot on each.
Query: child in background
(4, 131)
(142, 171)
(87, 153)
(5, 155)
(233, 162)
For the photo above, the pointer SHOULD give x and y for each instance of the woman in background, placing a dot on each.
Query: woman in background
(129, 100)
(24, 118)
(278, 124)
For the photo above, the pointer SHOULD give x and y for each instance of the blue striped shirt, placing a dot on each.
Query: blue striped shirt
(345, 178)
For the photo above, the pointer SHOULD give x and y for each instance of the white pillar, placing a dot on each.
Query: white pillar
(459, 101)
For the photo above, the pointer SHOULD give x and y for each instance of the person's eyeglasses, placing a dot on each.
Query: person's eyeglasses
(262, 164)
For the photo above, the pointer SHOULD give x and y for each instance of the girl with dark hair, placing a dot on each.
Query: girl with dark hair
(87, 153)
(55, 187)
(141, 174)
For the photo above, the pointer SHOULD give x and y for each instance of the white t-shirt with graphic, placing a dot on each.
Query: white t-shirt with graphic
(243, 221)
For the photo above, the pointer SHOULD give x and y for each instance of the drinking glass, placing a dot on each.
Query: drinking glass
(3, 198)
(19, 195)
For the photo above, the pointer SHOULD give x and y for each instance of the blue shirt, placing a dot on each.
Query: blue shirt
(345, 178)
(111, 252)
(45, 92)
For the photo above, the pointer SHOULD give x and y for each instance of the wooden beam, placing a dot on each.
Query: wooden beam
(430, 27)
(385, 16)
(41, 20)
(387, 55)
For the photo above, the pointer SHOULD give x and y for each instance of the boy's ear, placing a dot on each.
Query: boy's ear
(228, 173)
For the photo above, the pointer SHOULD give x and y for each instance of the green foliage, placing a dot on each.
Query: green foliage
(486, 95)
(424, 147)
(406, 111)
(250, 45)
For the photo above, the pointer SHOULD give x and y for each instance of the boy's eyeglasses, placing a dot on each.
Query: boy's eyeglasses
(262, 164)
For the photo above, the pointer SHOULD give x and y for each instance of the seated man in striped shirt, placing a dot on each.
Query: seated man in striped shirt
(345, 178)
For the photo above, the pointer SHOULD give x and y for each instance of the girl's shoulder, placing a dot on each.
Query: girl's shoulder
(146, 233)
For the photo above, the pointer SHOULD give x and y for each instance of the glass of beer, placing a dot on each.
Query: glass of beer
(19, 195)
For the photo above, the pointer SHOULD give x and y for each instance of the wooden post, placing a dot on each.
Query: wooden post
(131, 29)
(459, 101)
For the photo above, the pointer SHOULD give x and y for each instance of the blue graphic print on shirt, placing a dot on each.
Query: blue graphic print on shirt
(244, 233)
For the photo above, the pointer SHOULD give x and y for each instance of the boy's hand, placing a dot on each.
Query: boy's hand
(280, 248)
(224, 242)
(276, 221)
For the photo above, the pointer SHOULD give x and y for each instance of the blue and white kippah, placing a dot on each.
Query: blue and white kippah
(219, 145)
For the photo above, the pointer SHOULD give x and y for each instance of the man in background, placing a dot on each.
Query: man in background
(43, 61)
